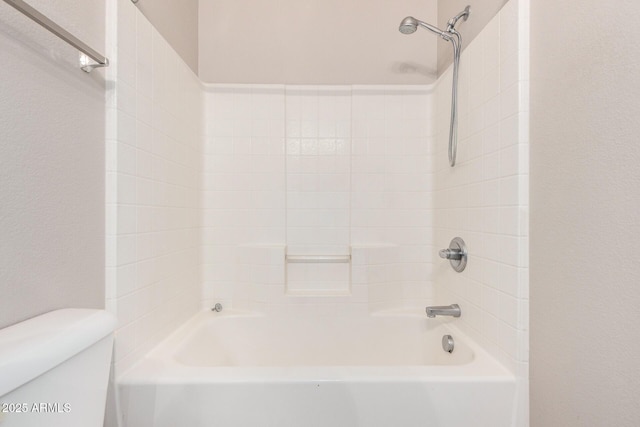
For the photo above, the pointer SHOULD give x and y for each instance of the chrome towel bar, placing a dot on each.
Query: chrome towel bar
(56, 29)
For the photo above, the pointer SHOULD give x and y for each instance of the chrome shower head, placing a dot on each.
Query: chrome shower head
(409, 25)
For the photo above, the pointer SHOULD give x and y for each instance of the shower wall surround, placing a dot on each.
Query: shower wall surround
(485, 198)
(210, 188)
(317, 170)
(153, 151)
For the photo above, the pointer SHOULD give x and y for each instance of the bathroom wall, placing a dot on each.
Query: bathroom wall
(585, 192)
(317, 170)
(51, 163)
(484, 199)
(314, 42)
(177, 23)
(154, 104)
(482, 11)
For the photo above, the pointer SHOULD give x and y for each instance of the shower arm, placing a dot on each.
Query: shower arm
(446, 35)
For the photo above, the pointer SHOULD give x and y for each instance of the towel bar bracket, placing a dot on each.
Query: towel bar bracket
(48, 24)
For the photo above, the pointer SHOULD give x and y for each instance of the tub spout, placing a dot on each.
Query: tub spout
(444, 310)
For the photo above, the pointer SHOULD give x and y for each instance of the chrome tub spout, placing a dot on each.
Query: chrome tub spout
(444, 310)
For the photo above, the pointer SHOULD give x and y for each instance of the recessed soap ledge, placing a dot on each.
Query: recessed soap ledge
(364, 274)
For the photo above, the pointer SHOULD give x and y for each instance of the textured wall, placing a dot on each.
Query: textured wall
(314, 42)
(482, 11)
(51, 163)
(585, 192)
(177, 22)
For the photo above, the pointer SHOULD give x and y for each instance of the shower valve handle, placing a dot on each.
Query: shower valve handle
(456, 253)
(449, 253)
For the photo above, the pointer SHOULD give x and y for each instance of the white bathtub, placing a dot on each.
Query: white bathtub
(235, 369)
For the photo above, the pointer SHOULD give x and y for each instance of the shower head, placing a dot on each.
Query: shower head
(409, 25)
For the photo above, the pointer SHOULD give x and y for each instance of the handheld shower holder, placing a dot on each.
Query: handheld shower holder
(464, 15)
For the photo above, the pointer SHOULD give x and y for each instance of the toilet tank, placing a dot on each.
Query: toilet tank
(54, 369)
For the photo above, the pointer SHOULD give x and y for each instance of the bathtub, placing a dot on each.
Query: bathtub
(240, 369)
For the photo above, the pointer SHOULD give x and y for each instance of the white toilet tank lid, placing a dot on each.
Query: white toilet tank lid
(30, 348)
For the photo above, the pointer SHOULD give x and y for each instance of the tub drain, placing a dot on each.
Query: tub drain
(447, 343)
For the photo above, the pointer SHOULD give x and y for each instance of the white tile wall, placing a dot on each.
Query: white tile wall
(484, 198)
(153, 166)
(318, 182)
(244, 193)
(391, 198)
(341, 167)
